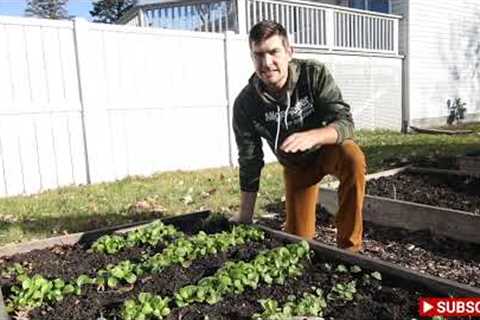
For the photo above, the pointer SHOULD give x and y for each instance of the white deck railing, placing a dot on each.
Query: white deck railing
(316, 25)
(310, 24)
(207, 16)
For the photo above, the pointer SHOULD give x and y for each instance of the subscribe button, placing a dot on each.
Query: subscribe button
(430, 307)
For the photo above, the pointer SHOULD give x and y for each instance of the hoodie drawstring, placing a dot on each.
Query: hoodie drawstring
(278, 128)
(286, 111)
(279, 121)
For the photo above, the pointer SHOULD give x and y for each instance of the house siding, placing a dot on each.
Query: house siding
(443, 57)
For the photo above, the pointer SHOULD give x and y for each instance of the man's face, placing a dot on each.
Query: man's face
(271, 58)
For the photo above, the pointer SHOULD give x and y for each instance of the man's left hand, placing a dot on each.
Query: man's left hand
(314, 138)
(301, 141)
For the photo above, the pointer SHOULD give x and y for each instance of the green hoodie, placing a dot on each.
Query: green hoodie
(313, 101)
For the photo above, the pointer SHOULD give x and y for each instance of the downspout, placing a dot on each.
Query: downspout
(406, 73)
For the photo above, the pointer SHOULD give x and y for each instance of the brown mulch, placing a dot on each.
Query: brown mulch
(419, 251)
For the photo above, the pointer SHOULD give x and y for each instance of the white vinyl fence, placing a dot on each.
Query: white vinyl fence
(84, 103)
(41, 142)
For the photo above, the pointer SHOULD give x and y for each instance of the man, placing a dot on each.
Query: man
(297, 108)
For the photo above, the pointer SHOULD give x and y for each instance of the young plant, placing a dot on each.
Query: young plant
(34, 291)
(15, 270)
(343, 291)
(271, 311)
(310, 305)
(125, 271)
(147, 306)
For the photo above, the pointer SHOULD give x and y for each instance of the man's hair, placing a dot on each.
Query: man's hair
(266, 29)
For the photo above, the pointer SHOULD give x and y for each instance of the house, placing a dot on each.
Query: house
(438, 40)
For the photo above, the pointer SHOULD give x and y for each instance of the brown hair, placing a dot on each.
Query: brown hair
(266, 29)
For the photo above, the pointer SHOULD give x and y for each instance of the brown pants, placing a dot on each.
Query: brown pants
(347, 163)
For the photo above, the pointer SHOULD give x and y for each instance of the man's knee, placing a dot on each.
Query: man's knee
(353, 157)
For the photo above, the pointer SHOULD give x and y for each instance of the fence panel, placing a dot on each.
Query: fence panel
(151, 104)
(41, 143)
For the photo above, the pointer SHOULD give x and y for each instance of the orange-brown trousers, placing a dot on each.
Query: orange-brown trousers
(346, 162)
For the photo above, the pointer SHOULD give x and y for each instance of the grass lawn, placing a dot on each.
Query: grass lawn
(82, 208)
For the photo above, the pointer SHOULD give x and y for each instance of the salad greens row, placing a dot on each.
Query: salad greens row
(271, 266)
(36, 290)
(151, 235)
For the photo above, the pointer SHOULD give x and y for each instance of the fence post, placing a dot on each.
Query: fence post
(80, 35)
(228, 93)
(242, 16)
(330, 29)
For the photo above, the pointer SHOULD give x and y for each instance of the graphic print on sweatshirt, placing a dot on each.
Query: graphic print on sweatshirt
(297, 113)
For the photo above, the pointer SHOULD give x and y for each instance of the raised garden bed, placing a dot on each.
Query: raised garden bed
(184, 274)
(444, 202)
(421, 251)
(470, 162)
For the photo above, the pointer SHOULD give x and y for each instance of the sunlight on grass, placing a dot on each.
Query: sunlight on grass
(75, 209)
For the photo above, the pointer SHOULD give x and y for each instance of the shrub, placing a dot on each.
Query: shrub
(456, 110)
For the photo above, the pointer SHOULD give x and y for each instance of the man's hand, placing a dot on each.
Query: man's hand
(239, 218)
(315, 138)
(247, 207)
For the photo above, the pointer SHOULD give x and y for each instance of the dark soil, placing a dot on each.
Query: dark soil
(374, 301)
(419, 251)
(68, 262)
(385, 300)
(447, 191)
(107, 302)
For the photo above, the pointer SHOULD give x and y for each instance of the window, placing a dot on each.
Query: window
(372, 5)
(358, 4)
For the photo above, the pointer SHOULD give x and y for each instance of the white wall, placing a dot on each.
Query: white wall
(444, 57)
(83, 102)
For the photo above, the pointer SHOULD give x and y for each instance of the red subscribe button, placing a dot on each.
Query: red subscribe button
(430, 307)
